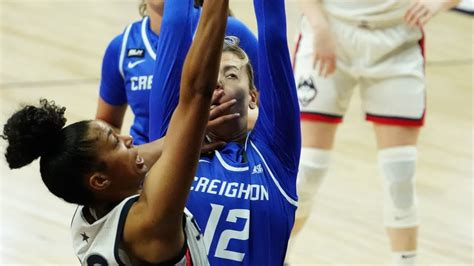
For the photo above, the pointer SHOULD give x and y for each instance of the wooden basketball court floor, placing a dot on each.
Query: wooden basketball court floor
(53, 49)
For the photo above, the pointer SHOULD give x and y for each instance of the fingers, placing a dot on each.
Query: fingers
(324, 66)
(222, 119)
(208, 147)
(424, 19)
(217, 95)
(417, 14)
(324, 61)
(330, 66)
(411, 13)
(217, 110)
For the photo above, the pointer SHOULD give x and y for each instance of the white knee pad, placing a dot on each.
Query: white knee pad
(397, 166)
(314, 164)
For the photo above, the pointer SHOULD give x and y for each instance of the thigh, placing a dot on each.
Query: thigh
(394, 101)
(317, 134)
(392, 85)
(392, 135)
(321, 99)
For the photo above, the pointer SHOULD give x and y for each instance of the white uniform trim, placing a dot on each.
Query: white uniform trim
(230, 167)
(145, 39)
(282, 191)
(123, 50)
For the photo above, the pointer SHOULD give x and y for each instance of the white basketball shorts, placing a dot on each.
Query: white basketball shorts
(386, 63)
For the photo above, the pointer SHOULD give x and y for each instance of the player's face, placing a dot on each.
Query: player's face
(234, 80)
(233, 84)
(156, 5)
(125, 168)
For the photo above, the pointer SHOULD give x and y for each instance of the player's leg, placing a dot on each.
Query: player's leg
(396, 106)
(320, 117)
(318, 139)
(323, 102)
(397, 160)
(393, 94)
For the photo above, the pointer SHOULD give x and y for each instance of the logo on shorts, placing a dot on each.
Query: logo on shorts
(306, 91)
(408, 256)
(133, 52)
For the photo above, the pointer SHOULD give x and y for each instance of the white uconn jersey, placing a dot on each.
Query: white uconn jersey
(100, 243)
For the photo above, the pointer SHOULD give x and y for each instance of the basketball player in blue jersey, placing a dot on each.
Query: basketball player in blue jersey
(243, 195)
(128, 215)
(127, 68)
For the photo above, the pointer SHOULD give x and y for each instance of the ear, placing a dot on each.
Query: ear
(98, 181)
(253, 103)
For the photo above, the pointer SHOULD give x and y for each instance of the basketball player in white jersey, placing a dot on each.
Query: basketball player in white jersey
(378, 46)
(130, 208)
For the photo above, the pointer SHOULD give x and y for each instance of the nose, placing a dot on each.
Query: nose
(220, 83)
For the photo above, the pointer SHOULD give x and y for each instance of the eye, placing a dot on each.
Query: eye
(231, 76)
(117, 141)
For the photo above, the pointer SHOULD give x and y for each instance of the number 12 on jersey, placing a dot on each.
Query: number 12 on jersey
(227, 235)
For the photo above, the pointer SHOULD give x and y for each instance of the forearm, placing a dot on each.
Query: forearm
(110, 114)
(450, 4)
(205, 51)
(173, 45)
(170, 178)
(313, 11)
(278, 121)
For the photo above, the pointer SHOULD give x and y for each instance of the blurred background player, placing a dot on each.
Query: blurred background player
(127, 67)
(377, 46)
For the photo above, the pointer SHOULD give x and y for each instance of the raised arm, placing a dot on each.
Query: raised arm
(155, 221)
(175, 39)
(278, 124)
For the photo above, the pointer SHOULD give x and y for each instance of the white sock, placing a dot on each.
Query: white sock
(404, 258)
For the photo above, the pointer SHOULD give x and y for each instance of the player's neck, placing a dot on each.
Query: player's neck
(97, 211)
(155, 20)
(228, 135)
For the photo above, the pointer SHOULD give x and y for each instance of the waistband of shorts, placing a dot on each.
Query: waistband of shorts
(369, 24)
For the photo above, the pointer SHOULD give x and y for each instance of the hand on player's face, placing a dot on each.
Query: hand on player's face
(220, 112)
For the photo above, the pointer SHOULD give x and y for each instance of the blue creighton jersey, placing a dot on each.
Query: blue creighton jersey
(127, 68)
(243, 196)
(127, 74)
